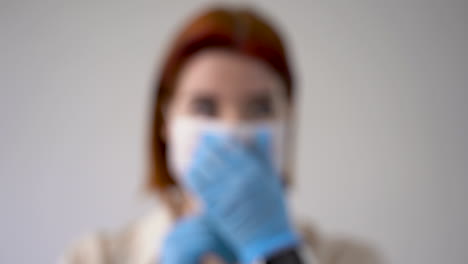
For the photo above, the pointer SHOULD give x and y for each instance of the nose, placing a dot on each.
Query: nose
(232, 116)
(234, 120)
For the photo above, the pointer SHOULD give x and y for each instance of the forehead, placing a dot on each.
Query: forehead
(229, 73)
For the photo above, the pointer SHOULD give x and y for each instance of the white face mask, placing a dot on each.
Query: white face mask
(184, 133)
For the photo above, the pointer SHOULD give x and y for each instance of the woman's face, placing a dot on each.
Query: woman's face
(224, 86)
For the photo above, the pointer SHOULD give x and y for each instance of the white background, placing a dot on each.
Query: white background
(383, 146)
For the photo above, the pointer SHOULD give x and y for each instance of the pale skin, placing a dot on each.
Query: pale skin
(228, 87)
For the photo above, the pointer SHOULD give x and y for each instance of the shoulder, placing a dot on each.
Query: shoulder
(90, 248)
(136, 243)
(329, 249)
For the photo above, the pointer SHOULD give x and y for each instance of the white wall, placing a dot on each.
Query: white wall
(383, 151)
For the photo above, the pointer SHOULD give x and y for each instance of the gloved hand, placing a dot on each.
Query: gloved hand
(242, 194)
(191, 239)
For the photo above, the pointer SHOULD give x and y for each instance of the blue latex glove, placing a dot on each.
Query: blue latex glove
(242, 194)
(190, 240)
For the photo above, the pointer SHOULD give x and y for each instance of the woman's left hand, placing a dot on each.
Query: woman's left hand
(191, 241)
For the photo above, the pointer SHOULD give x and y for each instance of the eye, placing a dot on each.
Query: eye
(204, 106)
(259, 107)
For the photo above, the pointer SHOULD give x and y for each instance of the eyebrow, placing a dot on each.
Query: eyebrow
(260, 96)
(204, 95)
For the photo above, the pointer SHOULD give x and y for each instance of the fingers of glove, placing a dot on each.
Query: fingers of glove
(206, 163)
(263, 144)
(243, 178)
(232, 153)
(218, 159)
(250, 160)
(216, 165)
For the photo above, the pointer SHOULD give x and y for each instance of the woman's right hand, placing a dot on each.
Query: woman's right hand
(242, 195)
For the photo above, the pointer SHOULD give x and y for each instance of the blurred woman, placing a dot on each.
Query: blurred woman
(221, 133)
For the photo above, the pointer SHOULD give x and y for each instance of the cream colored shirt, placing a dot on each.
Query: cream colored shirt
(141, 241)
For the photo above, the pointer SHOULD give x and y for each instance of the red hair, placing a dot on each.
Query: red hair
(242, 31)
